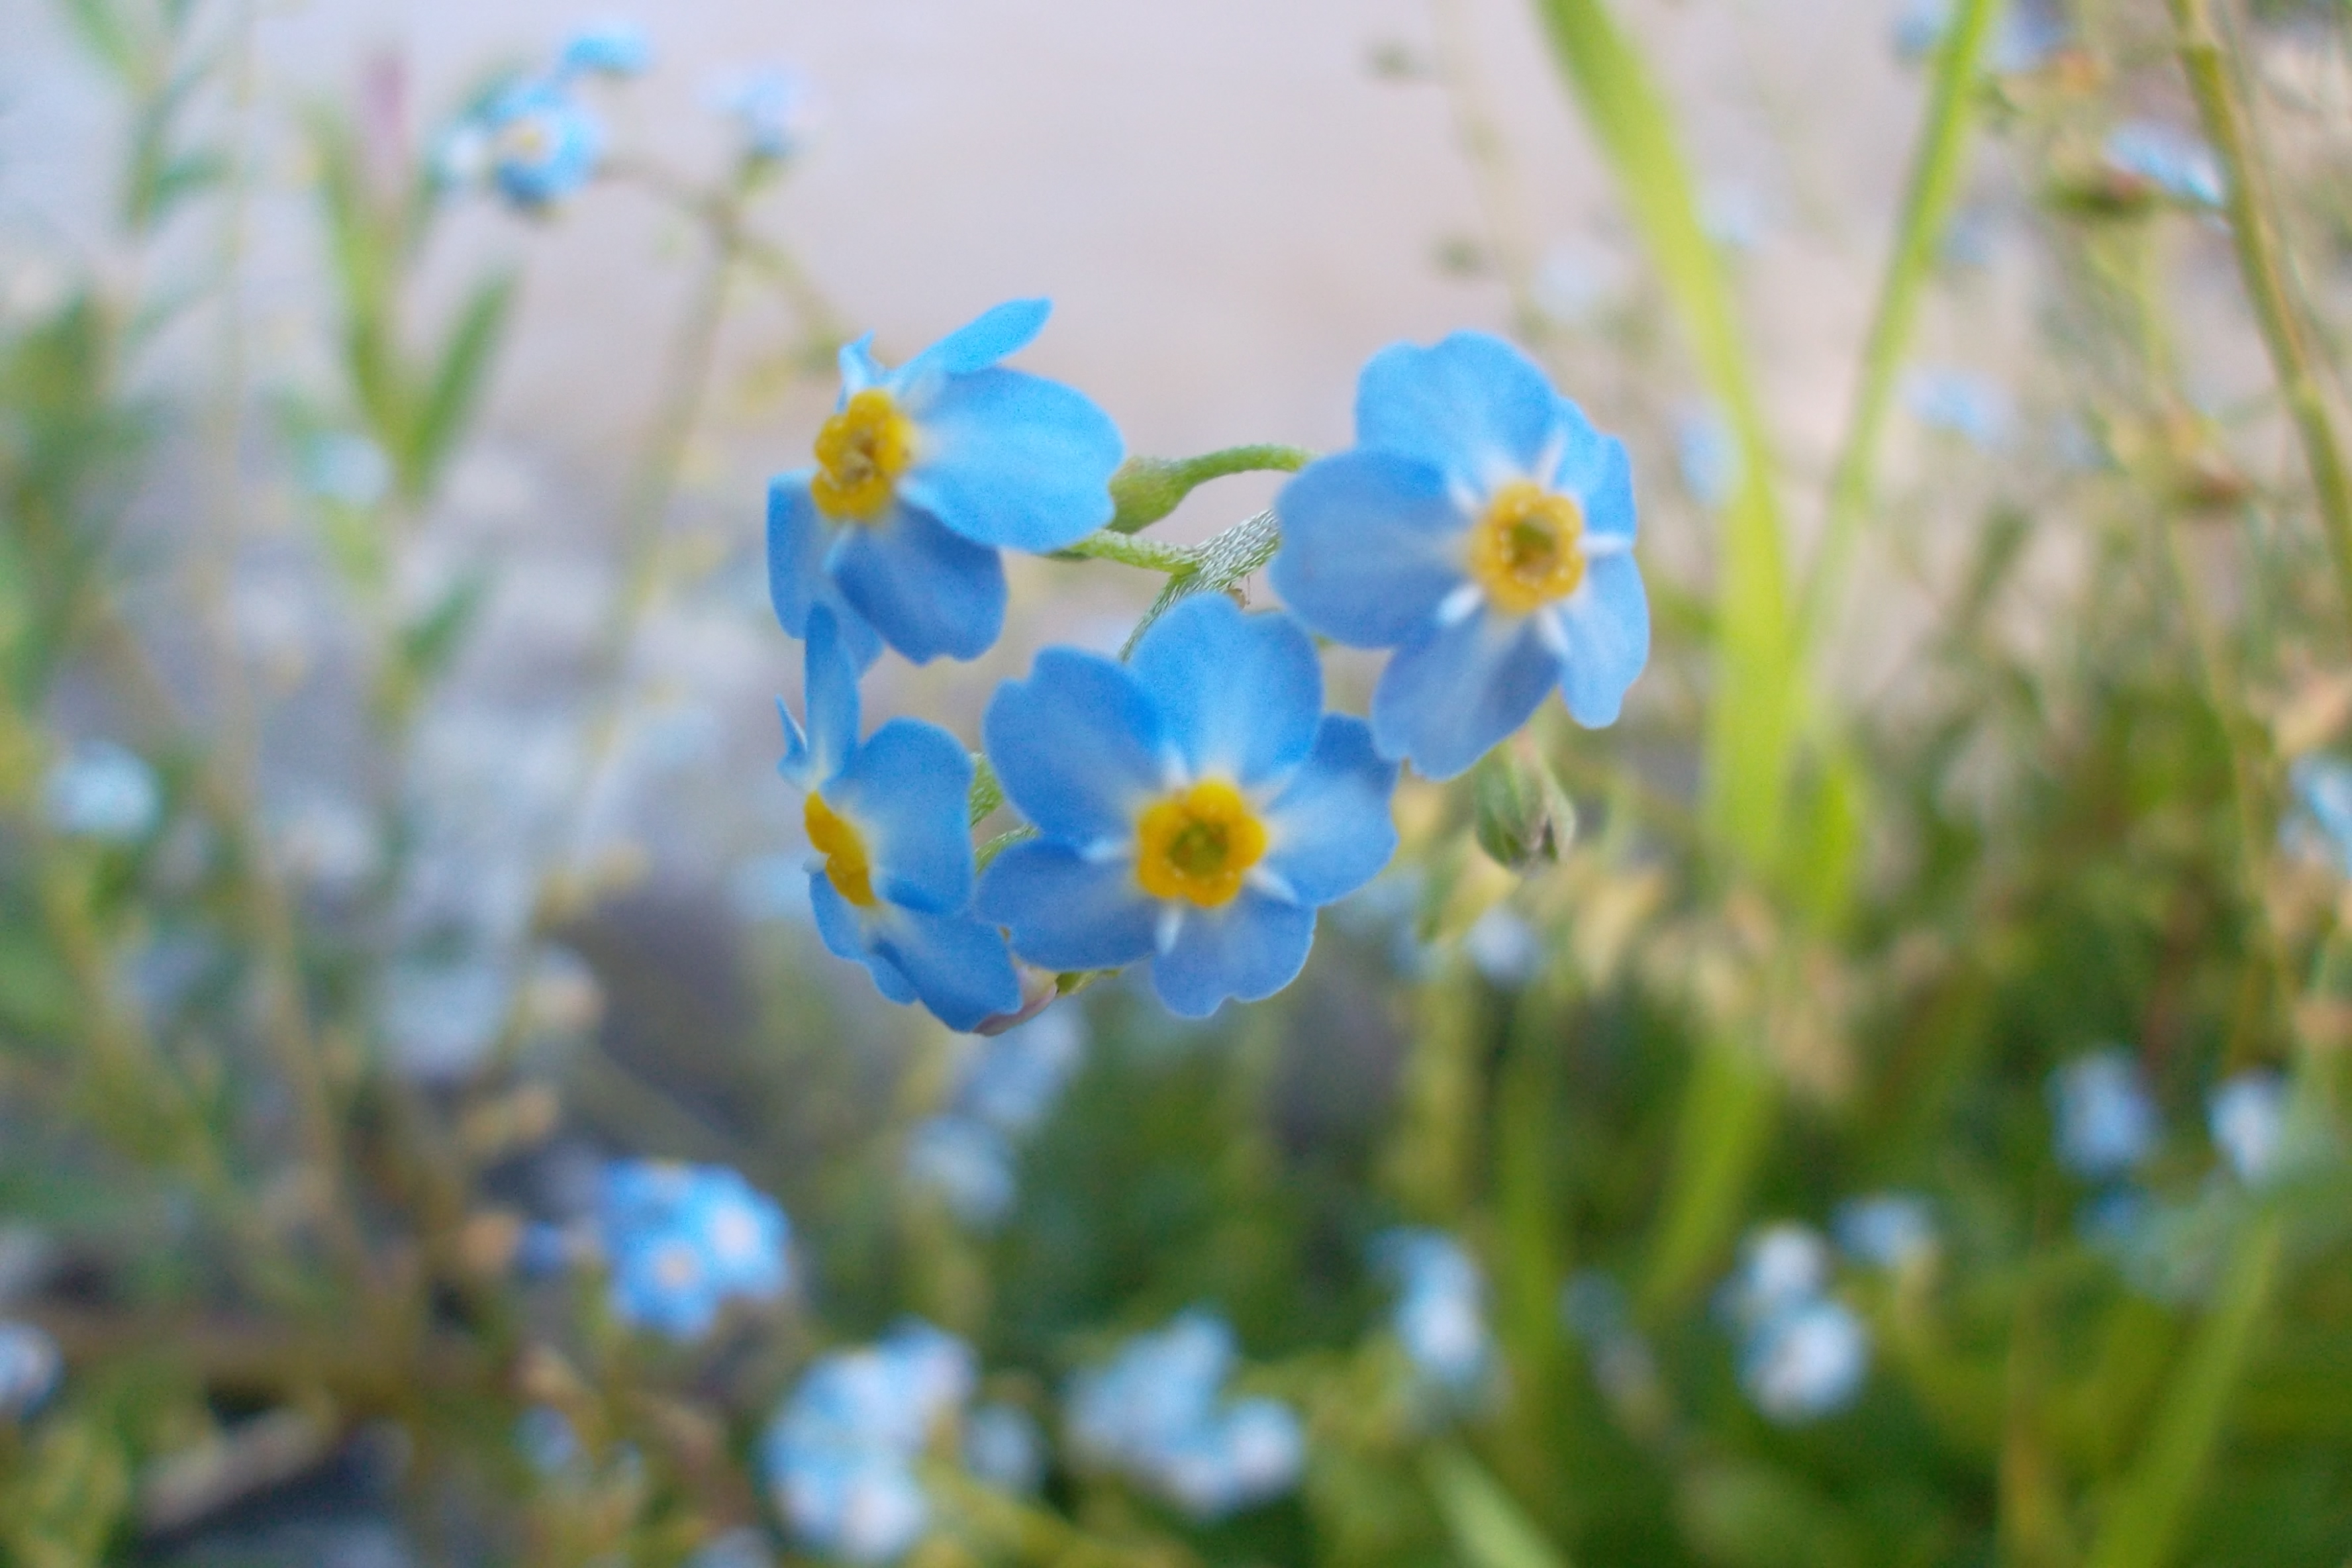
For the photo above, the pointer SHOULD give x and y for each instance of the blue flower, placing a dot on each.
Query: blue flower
(2108, 1122)
(889, 818)
(1484, 530)
(1194, 806)
(1439, 1317)
(684, 1240)
(1156, 1412)
(614, 48)
(1959, 402)
(104, 792)
(2178, 164)
(1781, 1265)
(30, 1369)
(838, 1458)
(768, 106)
(2324, 785)
(535, 141)
(922, 474)
(969, 1166)
(1885, 1230)
(1806, 1360)
(2247, 1118)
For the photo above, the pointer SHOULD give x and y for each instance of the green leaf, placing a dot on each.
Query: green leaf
(101, 29)
(1488, 1527)
(427, 643)
(1752, 720)
(456, 388)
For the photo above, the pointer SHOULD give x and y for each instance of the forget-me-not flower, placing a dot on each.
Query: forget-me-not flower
(1805, 1361)
(2180, 165)
(681, 1241)
(769, 107)
(1885, 1230)
(888, 816)
(2108, 1122)
(839, 1456)
(1004, 1447)
(533, 139)
(612, 49)
(2322, 786)
(1157, 1412)
(1482, 529)
(922, 474)
(2247, 1118)
(1194, 806)
(30, 1369)
(1440, 1316)
(968, 1163)
(104, 792)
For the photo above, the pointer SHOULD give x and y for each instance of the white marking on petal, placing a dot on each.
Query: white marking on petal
(1274, 884)
(1170, 927)
(1460, 604)
(1551, 632)
(814, 863)
(1107, 851)
(1601, 547)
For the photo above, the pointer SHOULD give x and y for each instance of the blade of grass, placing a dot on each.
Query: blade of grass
(1936, 171)
(1488, 1527)
(1752, 719)
(2261, 265)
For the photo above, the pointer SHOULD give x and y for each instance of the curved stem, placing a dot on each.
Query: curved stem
(2261, 264)
(1145, 490)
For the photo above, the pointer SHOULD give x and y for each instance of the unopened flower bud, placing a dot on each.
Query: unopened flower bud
(1524, 817)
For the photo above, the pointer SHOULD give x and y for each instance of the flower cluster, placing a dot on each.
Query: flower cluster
(1155, 1412)
(1803, 1353)
(533, 139)
(839, 1456)
(1440, 1316)
(678, 1242)
(1191, 807)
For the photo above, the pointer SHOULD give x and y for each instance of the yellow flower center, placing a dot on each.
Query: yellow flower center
(845, 853)
(526, 140)
(1198, 845)
(1528, 548)
(860, 454)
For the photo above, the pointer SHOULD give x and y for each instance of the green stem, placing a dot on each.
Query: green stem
(1935, 182)
(2144, 1520)
(1150, 554)
(2262, 265)
(987, 790)
(1725, 1124)
(1145, 490)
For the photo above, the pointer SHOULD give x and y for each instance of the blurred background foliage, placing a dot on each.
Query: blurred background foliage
(1976, 842)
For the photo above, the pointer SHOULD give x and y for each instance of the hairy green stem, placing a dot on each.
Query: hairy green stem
(1936, 171)
(1148, 554)
(1145, 490)
(2262, 265)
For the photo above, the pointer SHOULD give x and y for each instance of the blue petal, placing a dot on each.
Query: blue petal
(1239, 695)
(1372, 543)
(796, 766)
(1445, 698)
(846, 936)
(1077, 746)
(1599, 474)
(1249, 949)
(1015, 461)
(1331, 830)
(859, 368)
(1605, 627)
(959, 967)
(1473, 405)
(905, 792)
(1063, 911)
(994, 333)
(829, 691)
(926, 592)
(798, 537)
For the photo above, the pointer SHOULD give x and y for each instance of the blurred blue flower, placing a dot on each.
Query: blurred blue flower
(2106, 1120)
(967, 1162)
(102, 791)
(1706, 455)
(1012, 1080)
(1885, 1230)
(889, 816)
(1004, 1448)
(346, 468)
(1805, 1361)
(2180, 165)
(2323, 784)
(768, 107)
(1961, 403)
(1502, 946)
(614, 48)
(1195, 807)
(1155, 1412)
(2024, 36)
(682, 1241)
(922, 474)
(30, 1369)
(1781, 1265)
(1440, 1316)
(838, 1458)
(2247, 1117)
(1482, 529)
(535, 141)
